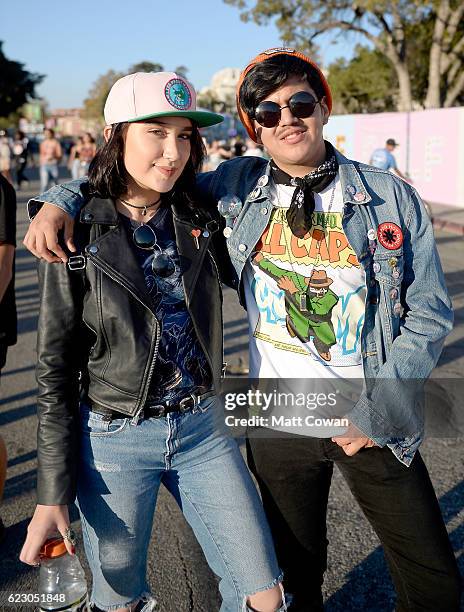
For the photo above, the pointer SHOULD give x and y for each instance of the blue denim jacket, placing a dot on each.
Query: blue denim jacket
(399, 348)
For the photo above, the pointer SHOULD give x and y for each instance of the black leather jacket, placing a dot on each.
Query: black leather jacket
(97, 328)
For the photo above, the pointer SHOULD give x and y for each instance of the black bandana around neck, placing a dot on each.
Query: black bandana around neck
(299, 215)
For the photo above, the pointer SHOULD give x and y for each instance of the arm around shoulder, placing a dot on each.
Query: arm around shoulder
(51, 212)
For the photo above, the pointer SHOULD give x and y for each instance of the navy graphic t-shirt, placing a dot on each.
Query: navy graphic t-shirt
(181, 365)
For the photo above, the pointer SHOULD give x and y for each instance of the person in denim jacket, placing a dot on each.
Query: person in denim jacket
(312, 211)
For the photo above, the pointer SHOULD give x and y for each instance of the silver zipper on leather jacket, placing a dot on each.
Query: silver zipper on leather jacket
(150, 372)
(222, 320)
(104, 269)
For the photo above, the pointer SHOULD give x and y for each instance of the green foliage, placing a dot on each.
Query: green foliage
(365, 84)
(145, 67)
(419, 37)
(406, 33)
(95, 102)
(181, 71)
(16, 84)
(418, 60)
(11, 121)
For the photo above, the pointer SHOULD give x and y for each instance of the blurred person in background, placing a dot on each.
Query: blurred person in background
(50, 156)
(253, 149)
(5, 156)
(216, 155)
(385, 160)
(20, 152)
(7, 296)
(86, 154)
(74, 162)
(238, 147)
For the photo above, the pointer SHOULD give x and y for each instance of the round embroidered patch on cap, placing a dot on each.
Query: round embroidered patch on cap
(178, 94)
(390, 236)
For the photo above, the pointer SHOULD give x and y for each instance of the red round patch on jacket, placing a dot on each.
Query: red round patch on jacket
(390, 236)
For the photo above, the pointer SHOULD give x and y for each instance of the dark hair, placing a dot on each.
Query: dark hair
(52, 131)
(267, 76)
(108, 177)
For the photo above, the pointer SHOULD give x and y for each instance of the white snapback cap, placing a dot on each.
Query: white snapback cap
(146, 95)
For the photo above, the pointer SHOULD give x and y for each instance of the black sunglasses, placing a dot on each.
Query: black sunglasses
(145, 238)
(301, 105)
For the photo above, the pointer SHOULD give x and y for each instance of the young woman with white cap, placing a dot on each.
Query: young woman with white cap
(129, 351)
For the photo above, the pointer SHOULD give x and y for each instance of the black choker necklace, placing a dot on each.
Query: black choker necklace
(144, 207)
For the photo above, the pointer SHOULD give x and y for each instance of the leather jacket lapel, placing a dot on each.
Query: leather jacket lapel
(191, 257)
(116, 256)
(111, 250)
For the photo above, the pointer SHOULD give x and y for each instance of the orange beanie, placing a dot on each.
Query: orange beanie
(262, 57)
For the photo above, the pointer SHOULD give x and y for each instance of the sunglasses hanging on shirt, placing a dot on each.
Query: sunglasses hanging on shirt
(145, 238)
(302, 105)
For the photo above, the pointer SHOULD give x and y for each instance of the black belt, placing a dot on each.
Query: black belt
(190, 402)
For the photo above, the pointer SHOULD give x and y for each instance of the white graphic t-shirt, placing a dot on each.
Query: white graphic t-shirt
(305, 297)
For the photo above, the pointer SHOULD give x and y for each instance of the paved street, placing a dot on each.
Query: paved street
(356, 579)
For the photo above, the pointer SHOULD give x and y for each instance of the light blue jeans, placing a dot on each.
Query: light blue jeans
(122, 464)
(48, 174)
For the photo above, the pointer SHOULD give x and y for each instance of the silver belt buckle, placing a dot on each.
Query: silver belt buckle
(183, 403)
(76, 262)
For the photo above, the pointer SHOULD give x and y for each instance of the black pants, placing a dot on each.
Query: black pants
(20, 166)
(294, 475)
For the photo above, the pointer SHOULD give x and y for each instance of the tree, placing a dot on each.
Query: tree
(16, 84)
(385, 24)
(366, 83)
(181, 71)
(95, 102)
(446, 54)
(145, 67)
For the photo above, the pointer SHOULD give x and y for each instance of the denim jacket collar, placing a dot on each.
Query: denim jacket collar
(353, 189)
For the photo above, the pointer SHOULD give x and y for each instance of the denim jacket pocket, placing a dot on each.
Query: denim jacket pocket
(390, 267)
(389, 276)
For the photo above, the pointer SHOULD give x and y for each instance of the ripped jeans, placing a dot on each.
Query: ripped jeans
(123, 463)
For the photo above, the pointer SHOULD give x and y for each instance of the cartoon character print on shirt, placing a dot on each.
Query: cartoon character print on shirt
(314, 305)
(308, 303)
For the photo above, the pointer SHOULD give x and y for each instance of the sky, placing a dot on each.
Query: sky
(73, 43)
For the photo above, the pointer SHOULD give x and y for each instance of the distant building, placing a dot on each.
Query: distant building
(219, 96)
(32, 119)
(221, 91)
(69, 122)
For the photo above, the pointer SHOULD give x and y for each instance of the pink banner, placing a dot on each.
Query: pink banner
(434, 154)
(373, 130)
(431, 147)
